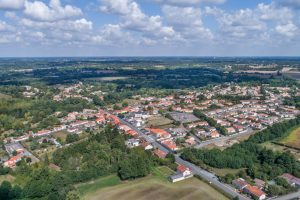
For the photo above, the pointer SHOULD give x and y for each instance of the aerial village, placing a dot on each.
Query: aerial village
(169, 122)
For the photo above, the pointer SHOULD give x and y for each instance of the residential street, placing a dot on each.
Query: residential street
(196, 170)
(289, 196)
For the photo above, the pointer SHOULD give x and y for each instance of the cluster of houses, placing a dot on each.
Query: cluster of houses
(255, 113)
(73, 91)
(256, 190)
(30, 91)
(17, 152)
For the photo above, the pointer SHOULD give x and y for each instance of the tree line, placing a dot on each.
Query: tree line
(260, 162)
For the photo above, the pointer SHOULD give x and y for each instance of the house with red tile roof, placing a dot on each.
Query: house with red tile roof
(159, 133)
(159, 153)
(182, 173)
(255, 192)
(239, 184)
(170, 144)
(214, 134)
(101, 120)
(132, 133)
(11, 163)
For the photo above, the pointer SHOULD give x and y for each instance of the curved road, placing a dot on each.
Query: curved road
(209, 177)
(289, 196)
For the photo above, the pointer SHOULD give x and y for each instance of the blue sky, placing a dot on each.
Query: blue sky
(149, 28)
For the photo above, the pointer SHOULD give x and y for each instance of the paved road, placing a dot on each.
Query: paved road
(147, 137)
(211, 178)
(223, 138)
(289, 196)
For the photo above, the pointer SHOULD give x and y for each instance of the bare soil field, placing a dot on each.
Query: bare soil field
(152, 188)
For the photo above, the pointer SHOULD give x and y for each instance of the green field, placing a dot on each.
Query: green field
(293, 139)
(9, 178)
(223, 172)
(280, 148)
(100, 183)
(4, 96)
(61, 134)
(154, 186)
(159, 122)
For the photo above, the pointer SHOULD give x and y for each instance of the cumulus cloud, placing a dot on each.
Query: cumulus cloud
(257, 24)
(272, 12)
(80, 25)
(187, 21)
(289, 30)
(11, 4)
(239, 24)
(189, 2)
(38, 10)
(4, 27)
(134, 19)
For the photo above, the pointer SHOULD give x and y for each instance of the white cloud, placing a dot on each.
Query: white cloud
(187, 21)
(289, 30)
(10, 15)
(4, 27)
(80, 25)
(38, 10)
(12, 4)
(272, 12)
(134, 19)
(189, 2)
(240, 24)
(260, 24)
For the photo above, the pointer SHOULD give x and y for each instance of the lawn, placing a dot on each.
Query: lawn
(162, 172)
(223, 172)
(4, 96)
(61, 134)
(152, 187)
(159, 122)
(8, 177)
(293, 139)
(98, 184)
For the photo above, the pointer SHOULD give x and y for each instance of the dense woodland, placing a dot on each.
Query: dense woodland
(102, 154)
(259, 161)
(16, 111)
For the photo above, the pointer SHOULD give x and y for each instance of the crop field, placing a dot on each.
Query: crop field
(293, 139)
(155, 187)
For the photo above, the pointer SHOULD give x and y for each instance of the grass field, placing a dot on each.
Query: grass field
(223, 172)
(152, 187)
(293, 139)
(4, 96)
(100, 183)
(276, 147)
(9, 178)
(61, 134)
(159, 122)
